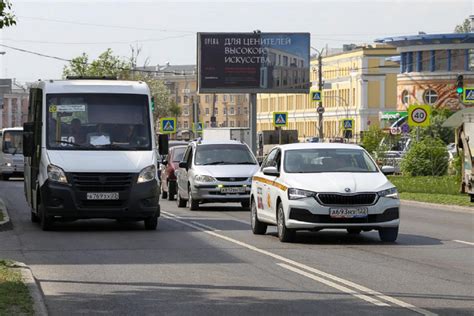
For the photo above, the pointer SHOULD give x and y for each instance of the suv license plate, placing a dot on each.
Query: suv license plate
(233, 190)
(103, 196)
(348, 212)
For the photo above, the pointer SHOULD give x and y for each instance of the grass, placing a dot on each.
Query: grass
(14, 296)
(440, 190)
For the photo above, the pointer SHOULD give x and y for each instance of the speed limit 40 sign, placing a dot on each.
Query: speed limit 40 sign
(419, 115)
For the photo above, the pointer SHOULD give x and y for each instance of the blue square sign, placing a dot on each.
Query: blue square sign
(468, 95)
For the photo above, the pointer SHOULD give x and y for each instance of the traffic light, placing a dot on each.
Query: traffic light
(460, 84)
(153, 104)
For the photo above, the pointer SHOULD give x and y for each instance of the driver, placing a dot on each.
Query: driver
(77, 132)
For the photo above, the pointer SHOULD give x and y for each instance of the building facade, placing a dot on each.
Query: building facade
(229, 110)
(429, 66)
(14, 104)
(360, 84)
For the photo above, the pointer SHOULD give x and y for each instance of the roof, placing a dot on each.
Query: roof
(457, 118)
(171, 69)
(92, 86)
(428, 39)
(319, 146)
(219, 142)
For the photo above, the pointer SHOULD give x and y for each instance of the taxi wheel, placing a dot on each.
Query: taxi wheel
(258, 228)
(284, 234)
(388, 234)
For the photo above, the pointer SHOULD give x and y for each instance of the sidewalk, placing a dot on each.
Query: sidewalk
(442, 207)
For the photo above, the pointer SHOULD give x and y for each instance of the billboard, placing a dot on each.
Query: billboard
(253, 62)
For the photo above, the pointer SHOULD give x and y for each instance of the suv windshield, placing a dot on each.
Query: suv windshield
(328, 160)
(13, 142)
(224, 154)
(98, 122)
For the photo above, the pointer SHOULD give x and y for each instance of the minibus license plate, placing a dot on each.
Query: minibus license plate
(348, 212)
(233, 190)
(103, 196)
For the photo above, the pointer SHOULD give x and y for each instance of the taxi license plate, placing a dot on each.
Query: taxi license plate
(103, 196)
(233, 190)
(348, 212)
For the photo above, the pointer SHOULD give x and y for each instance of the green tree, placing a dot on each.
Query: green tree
(108, 64)
(428, 157)
(464, 27)
(7, 18)
(372, 139)
(174, 109)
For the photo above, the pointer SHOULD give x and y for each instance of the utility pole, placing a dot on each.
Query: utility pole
(213, 116)
(320, 88)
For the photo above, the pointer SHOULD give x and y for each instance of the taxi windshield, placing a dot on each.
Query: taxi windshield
(328, 160)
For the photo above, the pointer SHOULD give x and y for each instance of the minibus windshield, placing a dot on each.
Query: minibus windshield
(98, 122)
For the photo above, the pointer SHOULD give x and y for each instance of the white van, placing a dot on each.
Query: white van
(11, 152)
(90, 152)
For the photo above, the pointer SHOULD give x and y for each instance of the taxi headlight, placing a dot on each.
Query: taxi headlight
(56, 174)
(391, 193)
(296, 194)
(147, 174)
(204, 178)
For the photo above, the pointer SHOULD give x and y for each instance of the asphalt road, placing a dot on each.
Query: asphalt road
(208, 262)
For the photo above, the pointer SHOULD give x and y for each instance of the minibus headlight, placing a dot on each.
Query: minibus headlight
(204, 178)
(147, 174)
(56, 174)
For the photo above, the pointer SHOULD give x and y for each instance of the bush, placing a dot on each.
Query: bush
(372, 139)
(428, 157)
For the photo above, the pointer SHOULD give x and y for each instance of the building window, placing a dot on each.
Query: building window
(232, 99)
(405, 97)
(231, 123)
(178, 99)
(208, 99)
(430, 97)
(185, 124)
(225, 111)
(246, 110)
(239, 112)
(185, 99)
(425, 60)
(457, 60)
(207, 111)
(232, 110)
(185, 110)
(469, 59)
(441, 61)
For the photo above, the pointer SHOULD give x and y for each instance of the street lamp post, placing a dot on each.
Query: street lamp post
(320, 88)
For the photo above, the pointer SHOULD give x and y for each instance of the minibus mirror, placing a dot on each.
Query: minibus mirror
(28, 140)
(163, 144)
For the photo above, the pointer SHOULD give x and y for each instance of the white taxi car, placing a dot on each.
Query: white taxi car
(314, 186)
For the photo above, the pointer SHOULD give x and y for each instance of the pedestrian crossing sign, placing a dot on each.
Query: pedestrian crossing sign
(468, 95)
(348, 124)
(198, 127)
(168, 125)
(316, 96)
(280, 119)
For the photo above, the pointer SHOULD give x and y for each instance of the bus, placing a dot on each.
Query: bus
(11, 152)
(90, 152)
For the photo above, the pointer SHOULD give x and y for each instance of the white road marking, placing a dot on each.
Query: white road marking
(464, 242)
(333, 285)
(361, 288)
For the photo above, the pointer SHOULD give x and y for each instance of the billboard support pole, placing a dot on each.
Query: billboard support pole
(253, 122)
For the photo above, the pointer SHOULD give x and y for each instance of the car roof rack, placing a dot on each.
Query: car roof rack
(91, 77)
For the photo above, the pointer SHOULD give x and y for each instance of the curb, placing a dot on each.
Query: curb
(443, 207)
(34, 288)
(6, 223)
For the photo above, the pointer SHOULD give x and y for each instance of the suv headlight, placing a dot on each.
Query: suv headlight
(204, 178)
(147, 174)
(391, 193)
(56, 174)
(296, 194)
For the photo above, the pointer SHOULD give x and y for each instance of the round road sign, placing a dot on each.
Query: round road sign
(320, 109)
(419, 115)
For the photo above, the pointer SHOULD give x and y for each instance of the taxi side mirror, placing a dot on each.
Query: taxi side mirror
(388, 170)
(271, 171)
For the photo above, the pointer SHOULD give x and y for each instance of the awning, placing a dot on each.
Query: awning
(459, 117)
(392, 115)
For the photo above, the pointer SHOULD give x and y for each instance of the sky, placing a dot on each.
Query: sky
(166, 30)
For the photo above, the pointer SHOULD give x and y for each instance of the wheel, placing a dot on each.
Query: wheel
(151, 223)
(354, 231)
(171, 191)
(180, 201)
(245, 204)
(284, 234)
(5, 177)
(164, 194)
(388, 234)
(192, 203)
(34, 217)
(46, 222)
(258, 228)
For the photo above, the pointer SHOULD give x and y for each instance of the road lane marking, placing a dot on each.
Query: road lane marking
(361, 288)
(333, 285)
(464, 242)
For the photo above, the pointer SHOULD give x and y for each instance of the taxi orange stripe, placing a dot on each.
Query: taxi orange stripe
(270, 182)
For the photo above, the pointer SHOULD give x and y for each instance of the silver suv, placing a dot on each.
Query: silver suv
(213, 171)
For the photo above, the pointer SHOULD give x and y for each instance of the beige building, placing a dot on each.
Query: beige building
(360, 85)
(230, 110)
